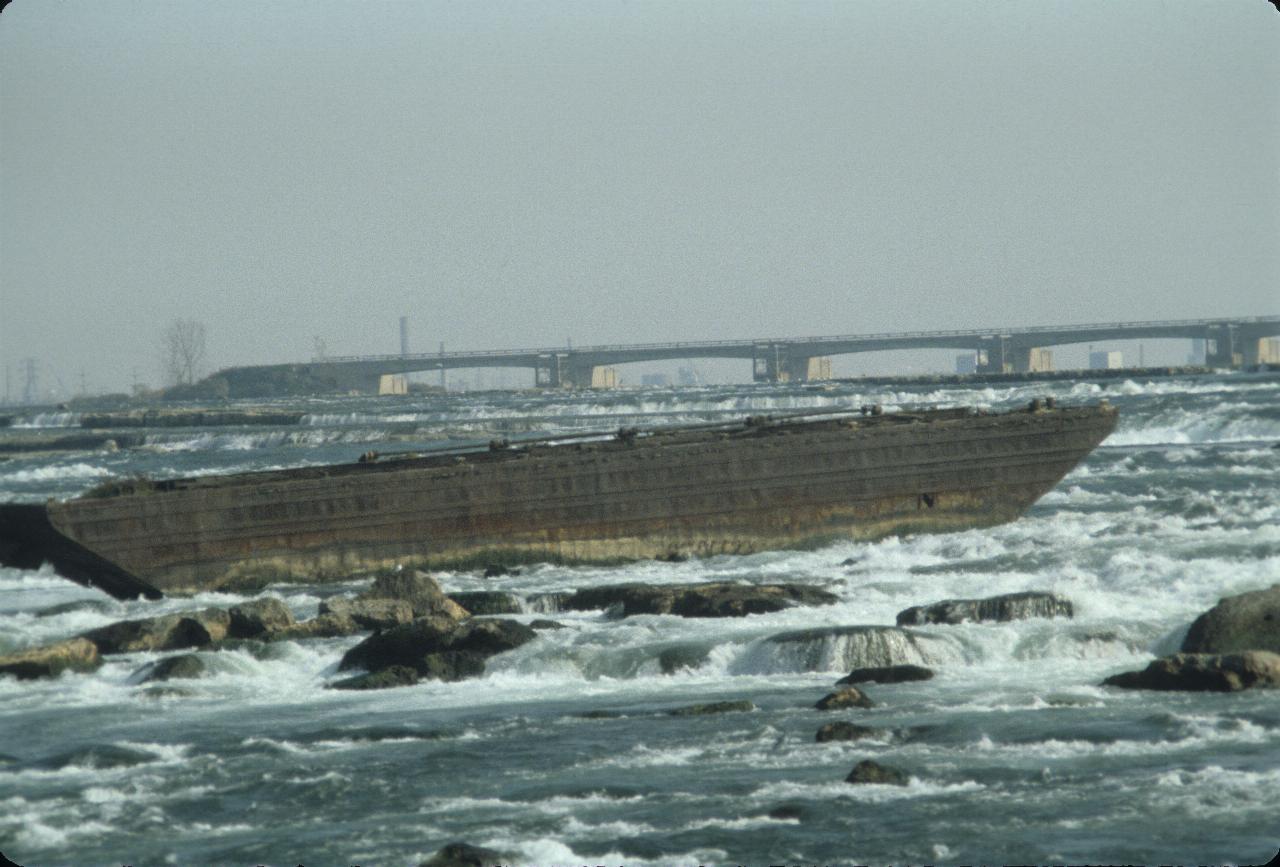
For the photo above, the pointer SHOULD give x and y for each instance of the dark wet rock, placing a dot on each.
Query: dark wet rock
(464, 855)
(327, 625)
(259, 617)
(698, 600)
(545, 624)
(75, 654)
(1205, 672)
(887, 674)
(850, 561)
(713, 707)
(1249, 621)
(167, 632)
(849, 647)
(183, 666)
(395, 675)
(159, 692)
(845, 697)
(369, 613)
(788, 812)
(845, 731)
(494, 570)
(600, 714)
(97, 757)
(438, 647)
(867, 771)
(672, 659)
(483, 602)
(1010, 606)
(546, 603)
(420, 590)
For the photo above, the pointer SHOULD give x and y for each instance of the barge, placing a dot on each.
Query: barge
(751, 485)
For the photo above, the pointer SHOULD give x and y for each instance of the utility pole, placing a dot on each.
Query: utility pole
(29, 390)
(443, 386)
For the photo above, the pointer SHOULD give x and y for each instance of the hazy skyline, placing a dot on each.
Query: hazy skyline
(523, 174)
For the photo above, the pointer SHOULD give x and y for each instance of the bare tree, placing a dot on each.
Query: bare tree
(182, 351)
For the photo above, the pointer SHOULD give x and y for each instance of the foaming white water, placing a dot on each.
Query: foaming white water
(56, 473)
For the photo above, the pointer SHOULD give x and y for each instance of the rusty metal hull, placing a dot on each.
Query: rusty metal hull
(684, 492)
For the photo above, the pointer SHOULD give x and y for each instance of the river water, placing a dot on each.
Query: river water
(1014, 751)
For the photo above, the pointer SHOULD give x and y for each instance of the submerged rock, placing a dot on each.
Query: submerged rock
(183, 666)
(1248, 621)
(1010, 606)
(75, 654)
(848, 647)
(483, 602)
(546, 603)
(369, 613)
(438, 647)
(887, 674)
(494, 570)
(672, 659)
(167, 632)
(849, 696)
(1205, 672)
(867, 771)
(545, 624)
(845, 731)
(713, 707)
(420, 590)
(698, 600)
(258, 618)
(464, 855)
(395, 675)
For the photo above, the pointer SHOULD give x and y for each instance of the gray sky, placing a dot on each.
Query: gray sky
(516, 174)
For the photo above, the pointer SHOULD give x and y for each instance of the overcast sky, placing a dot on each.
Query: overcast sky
(519, 174)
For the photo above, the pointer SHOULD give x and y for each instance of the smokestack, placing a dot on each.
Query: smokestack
(404, 335)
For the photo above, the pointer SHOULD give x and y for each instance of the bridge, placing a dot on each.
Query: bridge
(1229, 343)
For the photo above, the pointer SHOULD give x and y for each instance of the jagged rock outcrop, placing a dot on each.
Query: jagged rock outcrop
(846, 697)
(868, 771)
(1010, 606)
(259, 618)
(465, 855)
(438, 647)
(1205, 672)
(420, 590)
(166, 632)
(487, 602)
(392, 676)
(1248, 621)
(698, 600)
(368, 613)
(713, 707)
(887, 674)
(75, 654)
(327, 625)
(845, 731)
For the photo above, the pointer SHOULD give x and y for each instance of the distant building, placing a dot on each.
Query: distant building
(688, 376)
(1269, 350)
(393, 383)
(660, 380)
(1197, 351)
(1106, 360)
(819, 368)
(1042, 359)
(604, 377)
(967, 363)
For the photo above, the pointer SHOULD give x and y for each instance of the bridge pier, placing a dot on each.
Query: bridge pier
(779, 362)
(563, 370)
(1224, 348)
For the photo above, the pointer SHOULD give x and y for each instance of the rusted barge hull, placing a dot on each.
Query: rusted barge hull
(752, 486)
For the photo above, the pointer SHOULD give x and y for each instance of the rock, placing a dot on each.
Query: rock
(1249, 621)
(488, 602)
(438, 646)
(546, 603)
(420, 590)
(496, 571)
(849, 696)
(846, 647)
(672, 659)
(1010, 606)
(75, 654)
(186, 665)
(887, 674)
(100, 606)
(1205, 672)
(698, 600)
(788, 812)
(867, 771)
(369, 613)
(845, 731)
(259, 618)
(712, 708)
(395, 675)
(464, 855)
(167, 632)
(545, 624)
(328, 625)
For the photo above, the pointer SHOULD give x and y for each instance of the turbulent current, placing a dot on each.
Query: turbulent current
(561, 753)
